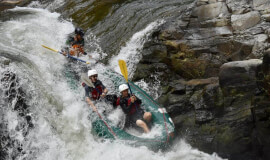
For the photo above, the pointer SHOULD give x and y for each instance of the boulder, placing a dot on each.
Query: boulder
(210, 11)
(244, 21)
(239, 77)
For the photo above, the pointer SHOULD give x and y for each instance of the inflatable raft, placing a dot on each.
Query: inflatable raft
(102, 127)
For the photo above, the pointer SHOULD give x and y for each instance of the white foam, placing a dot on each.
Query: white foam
(131, 52)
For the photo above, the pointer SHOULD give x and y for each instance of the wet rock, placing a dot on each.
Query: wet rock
(244, 21)
(239, 76)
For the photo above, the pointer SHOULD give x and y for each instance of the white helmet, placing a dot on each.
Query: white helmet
(123, 87)
(92, 72)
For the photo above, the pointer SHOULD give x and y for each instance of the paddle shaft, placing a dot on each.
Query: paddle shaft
(129, 88)
(69, 56)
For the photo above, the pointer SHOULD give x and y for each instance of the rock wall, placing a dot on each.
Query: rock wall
(7, 4)
(213, 64)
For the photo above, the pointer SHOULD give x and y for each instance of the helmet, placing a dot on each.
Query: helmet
(79, 31)
(123, 87)
(92, 72)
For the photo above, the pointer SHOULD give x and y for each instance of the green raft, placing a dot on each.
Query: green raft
(102, 127)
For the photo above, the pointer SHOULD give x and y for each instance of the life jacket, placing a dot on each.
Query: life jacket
(118, 101)
(96, 92)
(75, 49)
(133, 107)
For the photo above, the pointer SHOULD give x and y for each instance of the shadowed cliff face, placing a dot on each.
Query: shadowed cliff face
(214, 82)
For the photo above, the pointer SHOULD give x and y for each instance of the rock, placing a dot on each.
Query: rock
(197, 84)
(244, 21)
(178, 87)
(203, 116)
(210, 11)
(178, 104)
(261, 4)
(239, 77)
(184, 121)
(212, 1)
(261, 37)
(266, 17)
(233, 50)
(6, 4)
(204, 33)
(237, 7)
(266, 72)
(171, 33)
(216, 22)
(254, 30)
(189, 68)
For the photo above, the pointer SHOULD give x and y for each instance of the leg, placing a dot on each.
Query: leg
(143, 125)
(147, 116)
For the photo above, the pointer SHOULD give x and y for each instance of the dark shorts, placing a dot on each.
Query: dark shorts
(131, 120)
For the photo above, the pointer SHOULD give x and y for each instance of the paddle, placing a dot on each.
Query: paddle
(86, 80)
(69, 56)
(123, 68)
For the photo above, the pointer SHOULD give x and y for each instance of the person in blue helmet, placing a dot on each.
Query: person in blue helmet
(76, 44)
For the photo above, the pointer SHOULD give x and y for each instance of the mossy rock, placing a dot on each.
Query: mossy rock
(189, 68)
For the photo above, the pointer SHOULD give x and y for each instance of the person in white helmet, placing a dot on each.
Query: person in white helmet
(135, 115)
(99, 91)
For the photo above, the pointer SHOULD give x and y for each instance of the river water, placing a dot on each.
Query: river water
(59, 127)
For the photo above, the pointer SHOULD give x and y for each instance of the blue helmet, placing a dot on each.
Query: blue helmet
(79, 31)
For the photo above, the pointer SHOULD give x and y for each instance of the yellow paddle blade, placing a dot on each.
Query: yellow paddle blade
(123, 68)
(49, 48)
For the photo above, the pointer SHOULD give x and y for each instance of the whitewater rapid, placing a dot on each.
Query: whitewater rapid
(61, 126)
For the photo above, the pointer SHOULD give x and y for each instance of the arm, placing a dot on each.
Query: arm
(104, 90)
(91, 104)
(87, 98)
(124, 105)
(104, 93)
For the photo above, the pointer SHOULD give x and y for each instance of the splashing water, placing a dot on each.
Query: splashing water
(131, 52)
(61, 127)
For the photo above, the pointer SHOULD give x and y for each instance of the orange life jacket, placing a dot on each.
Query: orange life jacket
(75, 49)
